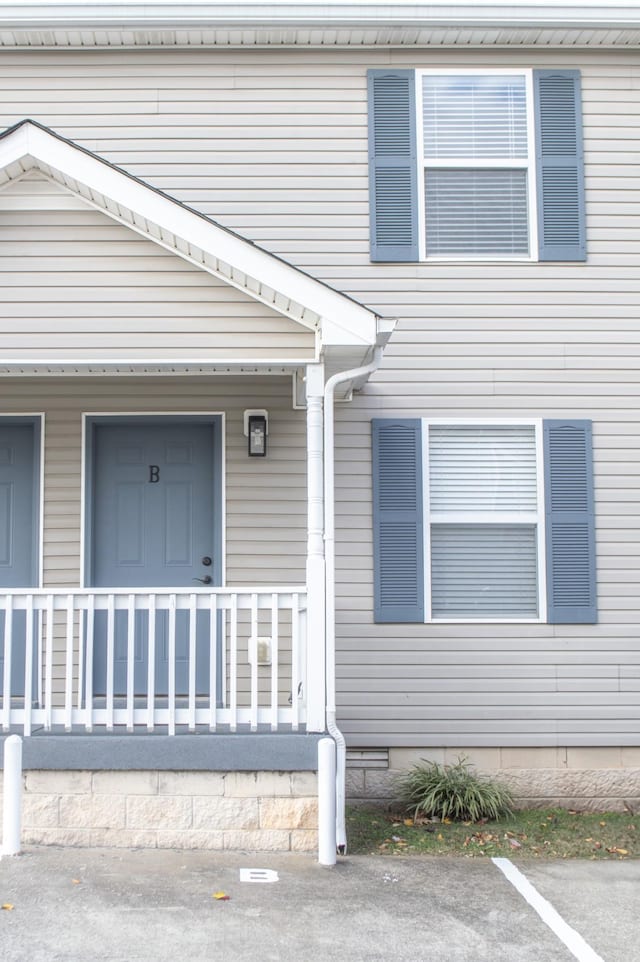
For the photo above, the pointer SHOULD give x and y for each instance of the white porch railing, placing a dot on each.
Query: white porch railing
(135, 659)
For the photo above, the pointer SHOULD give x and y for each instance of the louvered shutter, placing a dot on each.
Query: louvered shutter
(560, 166)
(393, 186)
(570, 531)
(397, 520)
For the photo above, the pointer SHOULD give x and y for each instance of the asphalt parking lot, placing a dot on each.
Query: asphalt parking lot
(81, 905)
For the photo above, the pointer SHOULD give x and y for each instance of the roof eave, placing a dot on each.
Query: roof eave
(376, 23)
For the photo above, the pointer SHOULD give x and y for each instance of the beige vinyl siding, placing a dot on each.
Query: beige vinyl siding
(76, 284)
(265, 498)
(273, 144)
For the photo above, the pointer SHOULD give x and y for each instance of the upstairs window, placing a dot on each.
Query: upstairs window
(476, 165)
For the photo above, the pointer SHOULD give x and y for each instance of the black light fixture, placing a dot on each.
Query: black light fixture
(256, 430)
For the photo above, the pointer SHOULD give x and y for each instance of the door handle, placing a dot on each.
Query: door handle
(205, 581)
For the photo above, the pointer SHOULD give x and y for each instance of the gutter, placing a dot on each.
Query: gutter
(330, 585)
(540, 14)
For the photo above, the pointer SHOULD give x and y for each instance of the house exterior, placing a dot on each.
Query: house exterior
(318, 408)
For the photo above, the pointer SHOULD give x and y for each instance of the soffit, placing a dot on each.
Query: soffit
(546, 23)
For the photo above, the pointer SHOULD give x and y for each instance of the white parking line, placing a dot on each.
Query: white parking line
(572, 939)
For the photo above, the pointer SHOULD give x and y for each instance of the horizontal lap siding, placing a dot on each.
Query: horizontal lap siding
(265, 499)
(75, 284)
(273, 144)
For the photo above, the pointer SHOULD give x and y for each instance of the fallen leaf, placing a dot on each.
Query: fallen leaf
(514, 843)
(221, 896)
(408, 822)
(75, 881)
(8, 907)
(440, 837)
(602, 824)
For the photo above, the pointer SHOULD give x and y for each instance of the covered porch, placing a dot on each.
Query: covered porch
(88, 376)
(156, 579)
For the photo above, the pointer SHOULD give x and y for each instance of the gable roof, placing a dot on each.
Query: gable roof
(339, 321)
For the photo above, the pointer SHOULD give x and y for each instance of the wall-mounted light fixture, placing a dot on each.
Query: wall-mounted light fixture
(256, 429)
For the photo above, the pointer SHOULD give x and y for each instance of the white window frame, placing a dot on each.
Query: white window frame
(529, 164)
(512, 517)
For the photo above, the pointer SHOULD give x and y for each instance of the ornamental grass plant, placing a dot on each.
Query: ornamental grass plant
(453, 792)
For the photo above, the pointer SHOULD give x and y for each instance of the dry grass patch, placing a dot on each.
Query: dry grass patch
(532, 833)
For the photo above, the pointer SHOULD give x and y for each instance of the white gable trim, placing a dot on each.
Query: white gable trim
(338, 320)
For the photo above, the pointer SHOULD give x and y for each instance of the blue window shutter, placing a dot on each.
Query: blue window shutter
(393, 174)
(570, 529)
(397, 520)
(559, 165)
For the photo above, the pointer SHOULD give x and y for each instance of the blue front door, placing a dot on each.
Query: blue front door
(19, 514)
(153, 526)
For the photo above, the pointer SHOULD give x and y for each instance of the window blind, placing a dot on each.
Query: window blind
(474, 116)
(480, 212)
(482, 469)
(484, 571)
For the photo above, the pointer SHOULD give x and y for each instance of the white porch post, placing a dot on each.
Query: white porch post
(315, 681)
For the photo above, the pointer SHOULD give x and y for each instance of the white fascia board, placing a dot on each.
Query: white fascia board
(346, 321)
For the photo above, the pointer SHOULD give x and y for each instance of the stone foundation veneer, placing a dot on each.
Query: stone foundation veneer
(253, 811)
(585, 779)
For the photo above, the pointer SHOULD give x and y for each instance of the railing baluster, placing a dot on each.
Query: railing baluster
(233, 655)
(214, 641)
(48, 667)
(28, 666)
(89, 642)
(111, 659)
(6, 681)
(131, 659)
(302, 692)
(192, 662)
(82, 621)
(253, 661)
(151, 665)
(275, 646)
(295, 662)
(68, 675)
(171, 706)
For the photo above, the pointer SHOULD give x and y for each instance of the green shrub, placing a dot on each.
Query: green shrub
(453, 792)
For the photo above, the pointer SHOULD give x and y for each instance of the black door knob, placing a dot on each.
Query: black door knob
(206, 561)
(205, 581)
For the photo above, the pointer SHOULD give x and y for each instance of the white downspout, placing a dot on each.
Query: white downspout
(330, 584)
